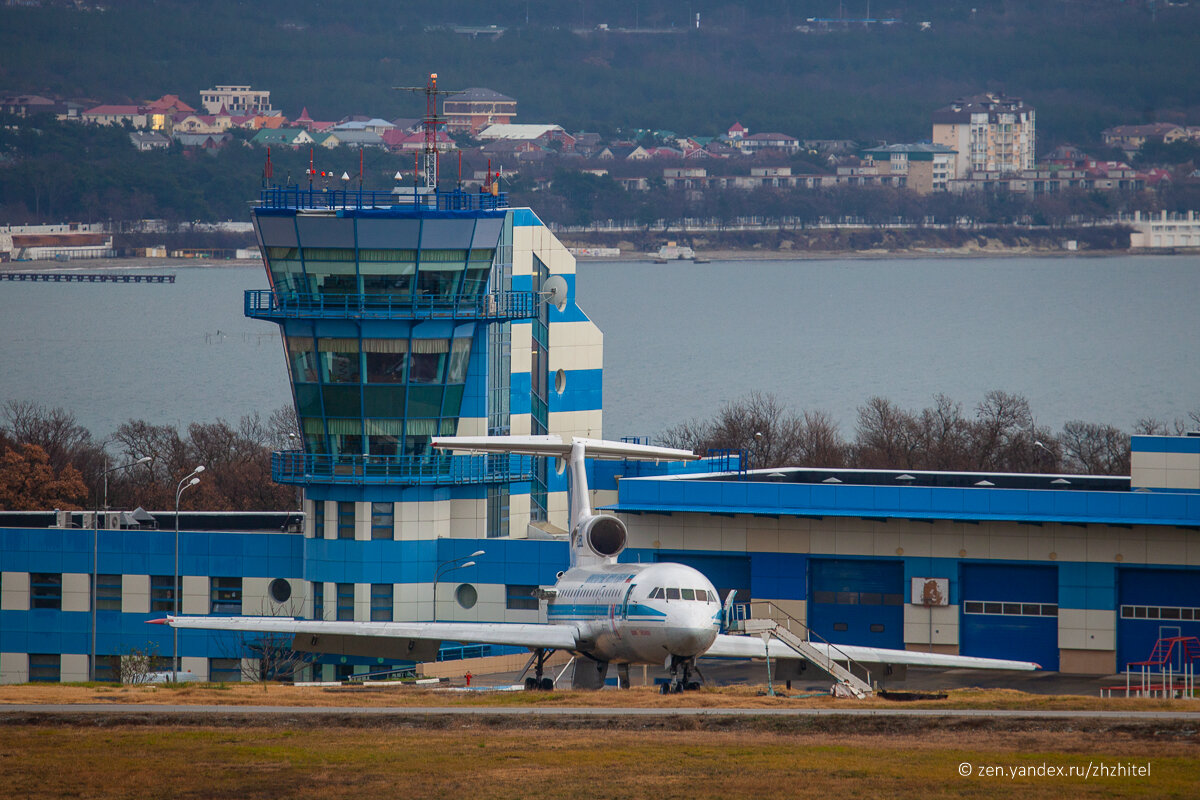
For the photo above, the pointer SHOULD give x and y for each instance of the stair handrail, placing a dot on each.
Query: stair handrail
(809, 633)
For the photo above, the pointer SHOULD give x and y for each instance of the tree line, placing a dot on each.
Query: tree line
(999, 434)
(48, 460)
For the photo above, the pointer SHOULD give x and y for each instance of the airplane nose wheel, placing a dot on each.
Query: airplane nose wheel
(681, 676)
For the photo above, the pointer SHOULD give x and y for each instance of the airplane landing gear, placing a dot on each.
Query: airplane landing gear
(681, 676)
(539, 683)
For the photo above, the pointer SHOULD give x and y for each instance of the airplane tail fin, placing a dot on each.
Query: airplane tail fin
(573, 451)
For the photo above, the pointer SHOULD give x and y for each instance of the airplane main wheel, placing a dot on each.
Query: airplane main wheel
(530, 684)
(547, 685)
(691, 686)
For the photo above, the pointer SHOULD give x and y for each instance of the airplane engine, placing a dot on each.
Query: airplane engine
(606, 536)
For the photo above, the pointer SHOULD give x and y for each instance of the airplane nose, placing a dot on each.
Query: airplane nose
(691, 639)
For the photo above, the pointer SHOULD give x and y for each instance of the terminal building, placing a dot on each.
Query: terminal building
(402, 318)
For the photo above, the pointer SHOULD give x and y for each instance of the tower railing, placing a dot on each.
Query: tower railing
(268, 304)
(297, 467)
(295, 197)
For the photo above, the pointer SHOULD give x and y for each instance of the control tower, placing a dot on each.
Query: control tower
(407, 315)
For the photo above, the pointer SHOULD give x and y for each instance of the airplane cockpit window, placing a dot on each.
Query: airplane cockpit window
(672, 594)
(657, 594)
(689, 594)
(704, 596)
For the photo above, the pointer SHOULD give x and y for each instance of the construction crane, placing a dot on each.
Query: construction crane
(430, 124)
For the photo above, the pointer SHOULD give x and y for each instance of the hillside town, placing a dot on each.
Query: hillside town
(986, 143)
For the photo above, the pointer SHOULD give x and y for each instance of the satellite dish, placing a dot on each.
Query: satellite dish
(555, 291)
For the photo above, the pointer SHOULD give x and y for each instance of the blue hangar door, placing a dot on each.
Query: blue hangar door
(1155, 604)
(1009, 611)
(857, 601)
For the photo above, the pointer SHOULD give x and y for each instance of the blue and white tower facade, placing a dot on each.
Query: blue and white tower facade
(405, 317)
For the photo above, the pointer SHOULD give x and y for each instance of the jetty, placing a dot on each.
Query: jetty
(86, 277)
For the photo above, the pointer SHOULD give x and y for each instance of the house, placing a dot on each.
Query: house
(28, 105)
(204, 141)
(736, 132)
(398, 140)
(149, 140)
(768, 142)
(170, 104)
(1130, 138)
(474, 109)
(356, 137)
(373, 125)
(241, 100)
(282, 137)
(923, 168)
(543, 134)
(137, 116)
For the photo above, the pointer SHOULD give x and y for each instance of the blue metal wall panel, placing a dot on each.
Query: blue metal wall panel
(1165, 444)
(851, 577)
(1028, 638)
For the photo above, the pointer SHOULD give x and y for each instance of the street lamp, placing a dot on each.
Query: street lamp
(188, 481)
(450, 566)
(96, 555)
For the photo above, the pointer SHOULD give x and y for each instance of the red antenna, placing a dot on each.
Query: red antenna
(431, 123)
(311, 167)
(268, 171)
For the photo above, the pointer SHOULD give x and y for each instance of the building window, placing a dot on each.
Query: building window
(226, 596)
(108, 593)
(1010, 609)
(466, 596)
(383, 518)
(497, 510)
(345, 602)
(225, 670)
(345, 520)
(1160, 612)
(319, 519)
(318, 590)
(45, 667)
(520, 597)
(381, 602)
(45, 590)
(162, 593)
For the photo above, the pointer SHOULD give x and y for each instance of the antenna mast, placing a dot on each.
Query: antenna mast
(430, 123)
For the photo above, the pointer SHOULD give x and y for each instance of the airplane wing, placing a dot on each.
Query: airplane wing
(727, 646)
(410, 641)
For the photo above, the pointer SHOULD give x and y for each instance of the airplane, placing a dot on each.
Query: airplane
(601, 611)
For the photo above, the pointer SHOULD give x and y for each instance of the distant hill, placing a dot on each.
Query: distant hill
(1084, 65)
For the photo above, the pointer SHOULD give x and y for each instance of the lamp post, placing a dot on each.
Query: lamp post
(450, 566)
(96, 556)
(188, 481)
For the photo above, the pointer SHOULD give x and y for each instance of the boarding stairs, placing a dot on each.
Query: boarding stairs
(765, 619)
(1170, 671)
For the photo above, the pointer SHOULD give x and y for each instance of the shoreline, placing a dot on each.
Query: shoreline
(734, 255)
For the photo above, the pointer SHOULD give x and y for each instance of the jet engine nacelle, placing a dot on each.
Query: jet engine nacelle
(604, 535)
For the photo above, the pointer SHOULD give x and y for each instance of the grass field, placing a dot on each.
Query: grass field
(345, 755)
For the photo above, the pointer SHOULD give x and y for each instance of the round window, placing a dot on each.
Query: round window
(280, 590)
(466, 595)
(560, 381)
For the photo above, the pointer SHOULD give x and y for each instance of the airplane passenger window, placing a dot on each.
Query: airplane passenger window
(689, 594)
(672, 594)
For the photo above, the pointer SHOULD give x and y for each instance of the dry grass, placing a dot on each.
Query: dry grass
(474, 760)
(638, 697)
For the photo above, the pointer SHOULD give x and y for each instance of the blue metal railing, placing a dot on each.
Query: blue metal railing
(499, 306)
(296, 467)
(454, 200)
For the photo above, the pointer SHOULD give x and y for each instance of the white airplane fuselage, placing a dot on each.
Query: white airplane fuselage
(638, 613)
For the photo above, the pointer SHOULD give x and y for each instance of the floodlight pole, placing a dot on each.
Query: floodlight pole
(188, 481)
(450, 566)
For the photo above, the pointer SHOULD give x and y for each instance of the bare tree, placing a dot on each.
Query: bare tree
(1095, 449)
(886, 437)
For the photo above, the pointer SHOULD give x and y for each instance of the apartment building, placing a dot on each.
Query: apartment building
(989, 132)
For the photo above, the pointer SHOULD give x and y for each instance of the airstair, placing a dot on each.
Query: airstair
(770, 622)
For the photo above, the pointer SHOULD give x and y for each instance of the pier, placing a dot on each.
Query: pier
(85, 277)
